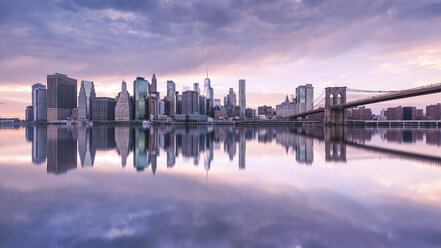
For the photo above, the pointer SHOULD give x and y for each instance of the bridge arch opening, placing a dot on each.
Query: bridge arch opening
(331, 99)
(339, 98)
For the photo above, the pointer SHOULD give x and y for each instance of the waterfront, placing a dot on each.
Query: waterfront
(205, 186)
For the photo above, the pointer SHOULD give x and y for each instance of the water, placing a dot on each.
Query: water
(219, 187)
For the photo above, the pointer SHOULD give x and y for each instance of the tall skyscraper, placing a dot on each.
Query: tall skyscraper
(196, 88)
(190, 102)
(61, 96)
(171, 107)
(242, 98)
(140, 90)
(171, 88)
(123, 108)
(154, 86)
(304, 98)
(39, 102)
(232, 98)
(87, 92)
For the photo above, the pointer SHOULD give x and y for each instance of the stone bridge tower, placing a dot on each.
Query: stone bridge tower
(334, 115)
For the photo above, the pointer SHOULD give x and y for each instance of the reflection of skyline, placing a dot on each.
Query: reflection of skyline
(59, 144)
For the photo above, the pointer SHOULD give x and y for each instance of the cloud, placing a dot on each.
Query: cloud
(176, 36)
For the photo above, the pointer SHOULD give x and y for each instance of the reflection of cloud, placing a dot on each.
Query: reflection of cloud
(191, 213)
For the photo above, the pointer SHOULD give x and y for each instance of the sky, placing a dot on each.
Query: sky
(275, 45)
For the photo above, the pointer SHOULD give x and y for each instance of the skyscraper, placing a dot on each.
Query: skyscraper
(242, 98)
(123, 108)
(61, 96)
(190, 102)
(39, 102)
(87, 92)
(232, 101)
(196, 88)
(103, 109)
(171, 107)
(171, 88)
(140, 90)
(154, 86)
(304, 98)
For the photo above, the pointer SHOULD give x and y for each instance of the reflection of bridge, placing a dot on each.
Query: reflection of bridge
(336, 142)
(336, 104)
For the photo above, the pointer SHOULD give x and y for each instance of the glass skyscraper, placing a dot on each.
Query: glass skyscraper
(140, 90)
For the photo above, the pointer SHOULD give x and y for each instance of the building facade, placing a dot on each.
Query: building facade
(103, 109)
(190, 102)
(304, 98)
(61, 96)
(242, 98)
(433, 112)
(360, 113)
(154, 86)
(140, 91)
(267, 111)
(87, 92)
(394, 113)
(123, 107)
(286, 108)
(29, 113)
(39, 102)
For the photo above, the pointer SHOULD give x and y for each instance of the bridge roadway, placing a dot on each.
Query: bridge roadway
(424, 90)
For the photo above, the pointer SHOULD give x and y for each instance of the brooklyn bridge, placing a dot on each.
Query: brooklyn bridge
(336, 104)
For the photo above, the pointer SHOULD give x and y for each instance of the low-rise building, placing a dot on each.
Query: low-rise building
(360, 113)
(286, 108)
(265, 110)
(433, 112)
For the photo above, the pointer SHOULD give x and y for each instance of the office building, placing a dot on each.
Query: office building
(171, 104)
(360, 113)
(123, 108)
(304, 98)
(29, 113)
(209, 95)
(103, 109)
(232, 98)
(242, 98)
(286, 108)
(87, 92)
(217, 104)
(433, 112)
(154, 86)
(190, 102)
(61, 96)
(394, 113)
(140, 90)
(250, 113)
(267, 111)
(409, 113)
(196, 88)
(39, 102)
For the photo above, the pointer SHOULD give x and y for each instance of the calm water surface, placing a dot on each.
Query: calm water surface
(219, 187)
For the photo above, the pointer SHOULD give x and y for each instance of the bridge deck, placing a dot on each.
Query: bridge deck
(419, 91)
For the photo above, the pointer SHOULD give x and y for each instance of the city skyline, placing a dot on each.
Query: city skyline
(367, 45)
